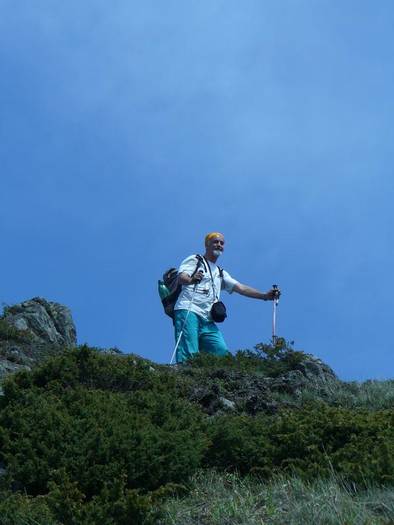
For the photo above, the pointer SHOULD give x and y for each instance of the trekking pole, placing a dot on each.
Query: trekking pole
(183, 325)
(274, 308)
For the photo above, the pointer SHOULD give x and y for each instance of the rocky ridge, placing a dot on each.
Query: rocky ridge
(220, 388)
(35, 329)
(32, 330)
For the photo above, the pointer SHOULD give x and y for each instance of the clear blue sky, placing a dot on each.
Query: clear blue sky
(130, 129)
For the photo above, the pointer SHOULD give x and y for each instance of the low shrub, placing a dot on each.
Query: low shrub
(64, 505)
(309, 442)
(270, 360)
(97, 436)
(93, 437)
(95, 369)
(19, 509)
(89, 431)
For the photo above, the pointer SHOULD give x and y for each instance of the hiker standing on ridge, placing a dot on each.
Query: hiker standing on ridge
(202, 280)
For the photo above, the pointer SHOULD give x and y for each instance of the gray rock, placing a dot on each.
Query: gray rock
(310, 373)
(40, 329)
(227, 404)
(45, 321)
(291, 382)
(16, 355)
(223, 389)
(207, 396)
(314, 369)
(9, 367)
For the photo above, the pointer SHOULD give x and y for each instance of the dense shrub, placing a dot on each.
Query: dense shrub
(93, 437)
(267, 359)
(86, 420)
(64, 505)
(309, 442)
(97, 436)
(18, 509)
(95, 369)
(113, 505)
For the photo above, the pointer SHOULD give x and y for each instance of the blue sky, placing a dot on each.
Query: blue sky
(129, 130)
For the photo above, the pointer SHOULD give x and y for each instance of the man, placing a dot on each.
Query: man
(200, 289)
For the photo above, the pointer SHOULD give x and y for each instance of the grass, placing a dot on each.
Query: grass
(371, 395)
(226, 499)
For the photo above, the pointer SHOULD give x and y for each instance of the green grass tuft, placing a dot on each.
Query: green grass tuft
(218, 498)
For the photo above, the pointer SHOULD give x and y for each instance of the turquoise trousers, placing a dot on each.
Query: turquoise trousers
(198, 335)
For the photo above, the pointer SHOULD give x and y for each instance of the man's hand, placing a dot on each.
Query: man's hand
(197, 277)
(184, 278)
(272, 294)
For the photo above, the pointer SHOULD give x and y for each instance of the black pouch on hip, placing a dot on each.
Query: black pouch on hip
(218, 312)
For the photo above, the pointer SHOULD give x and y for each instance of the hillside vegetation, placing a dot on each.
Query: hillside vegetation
(92, 436)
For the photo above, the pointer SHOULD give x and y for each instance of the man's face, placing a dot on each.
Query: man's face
(215, 246)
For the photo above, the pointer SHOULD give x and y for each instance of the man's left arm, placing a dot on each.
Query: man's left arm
(248, 291)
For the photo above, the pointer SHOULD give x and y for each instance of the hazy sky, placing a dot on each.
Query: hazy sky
(129, 130)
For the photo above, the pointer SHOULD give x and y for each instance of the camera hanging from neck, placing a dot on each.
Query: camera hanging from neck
(218, 309)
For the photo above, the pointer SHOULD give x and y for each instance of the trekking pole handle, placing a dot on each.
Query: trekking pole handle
(277, 292)
(201, 272)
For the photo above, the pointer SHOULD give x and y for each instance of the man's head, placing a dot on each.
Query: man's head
(214, 245)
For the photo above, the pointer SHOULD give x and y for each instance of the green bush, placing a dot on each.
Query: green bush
(270, 360)
(18, 509)
(84, 421)
(64, 505)
(309, 442)
(113, 505)
(92, 368)
(93, 437)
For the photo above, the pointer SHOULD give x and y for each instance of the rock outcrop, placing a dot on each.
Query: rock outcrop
(311, 373)
(225, 389)
(45, 321)
(32, 330)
